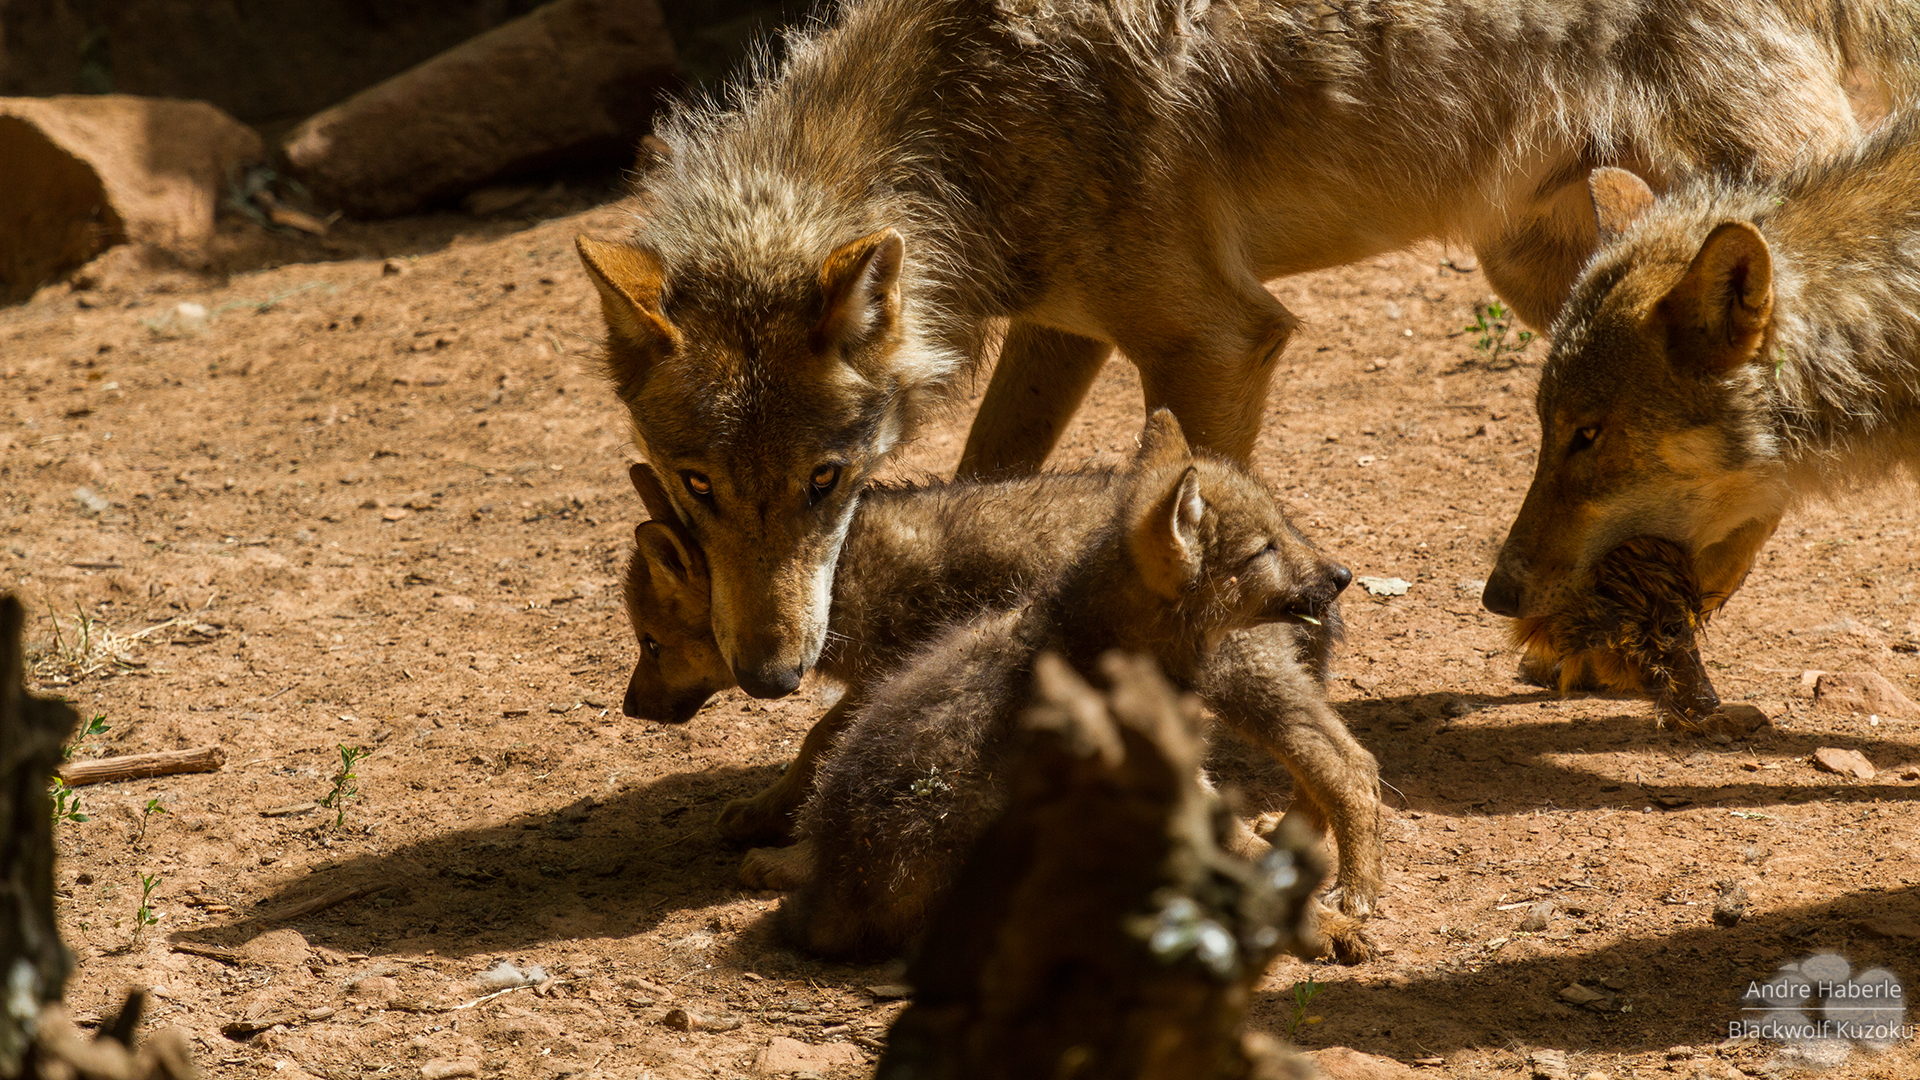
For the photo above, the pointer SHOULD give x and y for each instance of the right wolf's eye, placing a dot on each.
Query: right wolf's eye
(1583, 439)
(652, 647)
(701, 487)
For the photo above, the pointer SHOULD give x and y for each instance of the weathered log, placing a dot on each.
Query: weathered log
(1099, 928)
(140, 766)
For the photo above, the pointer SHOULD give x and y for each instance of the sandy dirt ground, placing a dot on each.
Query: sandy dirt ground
(376, 498)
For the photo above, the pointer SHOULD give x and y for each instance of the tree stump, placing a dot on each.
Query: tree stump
(1099, 929)
(36, 1039)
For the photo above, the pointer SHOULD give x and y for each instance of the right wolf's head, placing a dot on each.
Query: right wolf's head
(766, 378)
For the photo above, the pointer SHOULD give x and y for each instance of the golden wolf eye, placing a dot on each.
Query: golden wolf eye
(1583, 439)
(701, 487)
(652, 647)
(823, 480)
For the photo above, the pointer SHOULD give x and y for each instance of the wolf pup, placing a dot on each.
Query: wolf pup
(918, 559)
(1189, 553)
(818, 263)
(1739, 345)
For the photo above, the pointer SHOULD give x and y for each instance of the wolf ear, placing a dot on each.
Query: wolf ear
(860, 287)
(1161, 441)
(1167, 542)
(1716, 318)
(630, 280)
(647, 484)
(666, 552)
(1619, 198)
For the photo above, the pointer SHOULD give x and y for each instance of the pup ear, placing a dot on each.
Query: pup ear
(666, 553)
(1716, 318)
(1619, 198)
(630, 279)
(1166, 541)
(1161, 441)
(860, 286)
(647, 483)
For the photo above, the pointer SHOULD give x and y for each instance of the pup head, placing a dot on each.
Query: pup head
(766, 379)
(679, 667)
(1209, 537)
(1652, 409)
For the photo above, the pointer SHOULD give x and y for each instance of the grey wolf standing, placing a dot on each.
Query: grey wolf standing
(1738, 346)
(821, 260)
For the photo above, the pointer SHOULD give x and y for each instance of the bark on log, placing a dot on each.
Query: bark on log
(32, 731)
(1099, 929)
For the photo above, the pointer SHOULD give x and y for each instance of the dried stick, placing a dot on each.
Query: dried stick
(138, 766)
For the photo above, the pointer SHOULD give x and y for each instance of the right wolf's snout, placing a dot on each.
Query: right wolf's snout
(1503, 592)
(1339, 576)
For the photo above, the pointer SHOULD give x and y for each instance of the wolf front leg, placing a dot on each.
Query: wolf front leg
(768, 818)
(1039, 381)
(1213, 369)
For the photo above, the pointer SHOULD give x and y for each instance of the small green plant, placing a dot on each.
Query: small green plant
(1303, 994)
(344, 787)
(144, 916)
(95, 726)
(153, 807)
(1494, 325)
(66, 803)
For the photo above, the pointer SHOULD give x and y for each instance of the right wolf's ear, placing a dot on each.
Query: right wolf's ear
(860, 289)
(1161, 441)
(631, 280)
(664, 551)
(1619, 198)
(1716, 318)
(1167, 543)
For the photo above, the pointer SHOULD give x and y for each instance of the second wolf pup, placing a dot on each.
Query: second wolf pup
(919, 558)
(1737, 347)
(1189, 551)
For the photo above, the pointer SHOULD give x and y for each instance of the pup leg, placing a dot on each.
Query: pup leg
(1040, 379)
(768, 818)
(1254, 684)
(782, 868)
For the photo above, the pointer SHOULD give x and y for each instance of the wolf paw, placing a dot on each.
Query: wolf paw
(1342, 938)
(780, 868)
(756, 823)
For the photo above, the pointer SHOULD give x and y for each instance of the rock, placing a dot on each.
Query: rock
(784, 1056)
(1548, 1064)
(1735, 721)
(1845, 762)
(84, 173)
(277, 947)
(445, 1068)
(1866, 692)
(573, 80)
(1731, 906)
(1580, 995)
(377, 989)
(1344, 1063)
(1537, 917)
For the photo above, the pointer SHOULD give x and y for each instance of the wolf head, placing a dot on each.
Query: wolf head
(667, 589)
(766, 380)
(1652, 407)
(1210, 538)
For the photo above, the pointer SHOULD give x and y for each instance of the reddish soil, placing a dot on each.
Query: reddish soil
(386, 510)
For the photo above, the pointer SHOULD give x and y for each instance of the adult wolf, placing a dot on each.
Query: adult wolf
(820, 260)
(1742, 346)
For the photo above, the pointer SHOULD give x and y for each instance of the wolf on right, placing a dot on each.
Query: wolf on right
(822, 260)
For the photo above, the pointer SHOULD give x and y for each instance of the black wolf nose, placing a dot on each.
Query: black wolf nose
(772, 683)
(1342, 577)
(1502, 595)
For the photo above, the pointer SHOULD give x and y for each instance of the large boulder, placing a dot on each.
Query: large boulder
(571, 82)
(81, 174)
